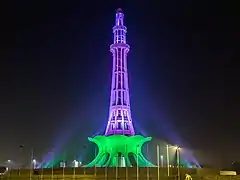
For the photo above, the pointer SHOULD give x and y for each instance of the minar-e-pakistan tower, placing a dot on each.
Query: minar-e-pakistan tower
(120, 120)
(119, 147)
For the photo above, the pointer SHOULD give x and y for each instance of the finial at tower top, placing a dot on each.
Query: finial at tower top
(119, 10)
(119, 17)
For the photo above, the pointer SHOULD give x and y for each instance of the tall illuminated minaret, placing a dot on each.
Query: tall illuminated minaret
(120, 120)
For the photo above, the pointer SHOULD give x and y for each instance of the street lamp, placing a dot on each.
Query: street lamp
(161, 157)
(34, 162)
(158, 164)
(137, 162)
(177, 148)
(178, 161)
(9, 163)
(75, 164)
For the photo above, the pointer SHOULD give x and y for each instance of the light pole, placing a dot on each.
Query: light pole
(34, 162)
(178, 158)
(84, 169)
(161, 157)
(167, 160)
(63, 165)
(9, 163)
(52, 163)
(75, 163)
(126, 163)
(137, 162)
(9, 167)
(117, 159)
(95, 168)
(178, 162)
(148, 165)
(20, 159)
(158, 163)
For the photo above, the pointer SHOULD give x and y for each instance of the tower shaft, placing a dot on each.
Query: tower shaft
(120, 120)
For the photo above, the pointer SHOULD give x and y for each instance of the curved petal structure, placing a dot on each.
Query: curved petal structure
(115, 150)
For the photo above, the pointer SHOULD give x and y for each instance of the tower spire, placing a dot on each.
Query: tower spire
(119, 17)
(120, 120)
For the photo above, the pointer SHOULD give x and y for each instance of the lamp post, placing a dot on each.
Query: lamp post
(126, 163)
(178, 159)
(95, 168)
(9, 163)
(178, 162)
(161, 157)
(148, 165)
(75, 163)
(167, 160)
(116, 159)
(34, 162)
(158, 163)
(20, 159)
(9, 167)
(63, 165)
(105, 172)
(84, 169)
(137, 162)
(53, 154)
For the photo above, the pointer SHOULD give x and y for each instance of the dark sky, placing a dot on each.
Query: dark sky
(56, 72)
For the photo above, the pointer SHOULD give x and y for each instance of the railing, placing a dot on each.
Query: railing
(113, 173)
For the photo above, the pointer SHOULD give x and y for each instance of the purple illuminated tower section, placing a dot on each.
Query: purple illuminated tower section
(120, 120)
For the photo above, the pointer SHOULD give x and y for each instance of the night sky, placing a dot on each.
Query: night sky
(56, 73)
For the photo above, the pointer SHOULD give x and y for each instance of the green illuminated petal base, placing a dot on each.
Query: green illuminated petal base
(120, 151)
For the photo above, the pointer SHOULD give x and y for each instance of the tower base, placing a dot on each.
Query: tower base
(120, 151)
